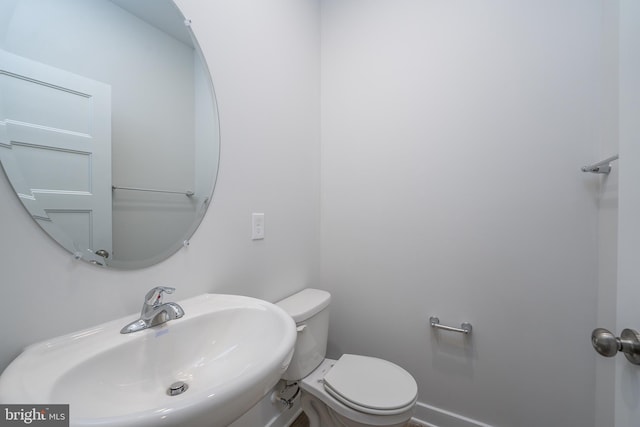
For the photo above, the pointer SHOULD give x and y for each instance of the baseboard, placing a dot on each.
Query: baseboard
(425, 416)
(430, 416)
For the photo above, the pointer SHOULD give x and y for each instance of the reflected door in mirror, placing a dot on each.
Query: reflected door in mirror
(56, 150)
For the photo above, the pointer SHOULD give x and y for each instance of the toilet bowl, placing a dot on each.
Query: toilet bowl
(353, 391)
(382, 397)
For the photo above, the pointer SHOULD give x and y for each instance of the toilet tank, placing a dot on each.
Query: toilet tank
(309, 308)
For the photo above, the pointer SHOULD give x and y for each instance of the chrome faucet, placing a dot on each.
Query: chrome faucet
(154, 312)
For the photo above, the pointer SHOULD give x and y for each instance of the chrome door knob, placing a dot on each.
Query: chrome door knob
(608, 345)
(604, 342)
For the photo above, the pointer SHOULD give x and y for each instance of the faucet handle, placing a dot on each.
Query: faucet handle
(154, 296)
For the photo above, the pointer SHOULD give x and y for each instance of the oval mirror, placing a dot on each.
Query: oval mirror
(108, 125)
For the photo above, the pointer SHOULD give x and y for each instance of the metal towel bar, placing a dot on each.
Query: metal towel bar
(465, 328)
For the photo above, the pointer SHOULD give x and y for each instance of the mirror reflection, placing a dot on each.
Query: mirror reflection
(108, 125)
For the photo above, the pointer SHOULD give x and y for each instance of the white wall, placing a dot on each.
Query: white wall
(452, 138)
(264, 62)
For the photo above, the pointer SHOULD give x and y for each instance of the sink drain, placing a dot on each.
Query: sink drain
(177, 388)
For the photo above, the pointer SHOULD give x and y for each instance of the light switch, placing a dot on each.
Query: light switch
(257, 226)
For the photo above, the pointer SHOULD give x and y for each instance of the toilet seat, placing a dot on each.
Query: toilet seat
(371, 385)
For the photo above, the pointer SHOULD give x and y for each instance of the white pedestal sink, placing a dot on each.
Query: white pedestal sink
(230, 351)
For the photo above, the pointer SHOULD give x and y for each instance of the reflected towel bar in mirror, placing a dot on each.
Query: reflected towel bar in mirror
(187, 193)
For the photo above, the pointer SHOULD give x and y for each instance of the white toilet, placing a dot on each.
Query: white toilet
(351, 391)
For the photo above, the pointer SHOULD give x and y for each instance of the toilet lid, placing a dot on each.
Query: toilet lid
(363, 383)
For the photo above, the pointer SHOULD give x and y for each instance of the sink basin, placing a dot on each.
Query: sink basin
(230, 351)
